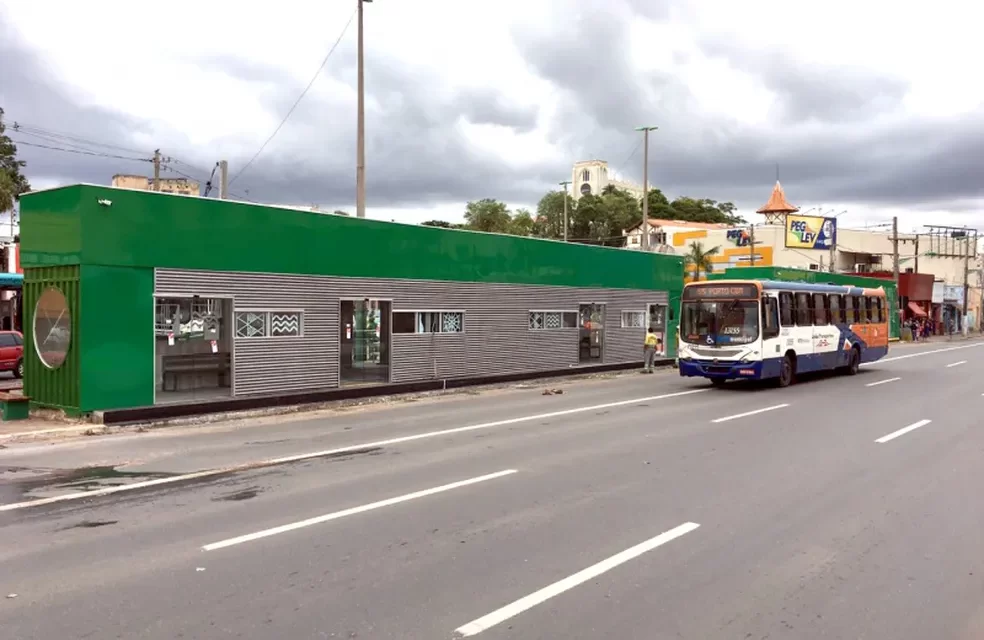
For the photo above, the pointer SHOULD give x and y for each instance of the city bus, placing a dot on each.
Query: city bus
(774, 330)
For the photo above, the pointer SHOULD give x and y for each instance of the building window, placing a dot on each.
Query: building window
(428, 322)
(585, 175)
(542, 320)
(269, 324)
(633, 319)
(452, 322)
(285, 324)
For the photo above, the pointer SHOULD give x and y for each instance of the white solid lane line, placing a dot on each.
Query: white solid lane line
(956, 364)
(902, 432)
(266, 533)
(922, 353)
(259, 464)
(750, 413)
(595, 570)
(875, 384)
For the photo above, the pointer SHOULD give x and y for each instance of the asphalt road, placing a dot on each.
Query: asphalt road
(624, 508)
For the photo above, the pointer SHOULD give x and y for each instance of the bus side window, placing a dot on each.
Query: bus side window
(787, 315)
(819, 309)
(874, 309)
(804, 312)
(861, 308)
(850, 315)
(770, 318)
(836, 312)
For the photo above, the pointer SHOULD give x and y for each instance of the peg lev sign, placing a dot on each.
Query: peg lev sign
(810, 232)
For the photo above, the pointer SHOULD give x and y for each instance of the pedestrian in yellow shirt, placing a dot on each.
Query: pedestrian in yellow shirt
(649, 350)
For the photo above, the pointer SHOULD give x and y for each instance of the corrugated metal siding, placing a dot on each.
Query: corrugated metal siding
(496, 337)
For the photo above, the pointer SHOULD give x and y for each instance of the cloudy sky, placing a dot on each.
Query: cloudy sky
(874, 107)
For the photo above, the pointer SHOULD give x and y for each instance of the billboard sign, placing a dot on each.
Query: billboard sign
(810, 232)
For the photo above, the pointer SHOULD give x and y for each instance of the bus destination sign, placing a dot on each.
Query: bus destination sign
(720, 292)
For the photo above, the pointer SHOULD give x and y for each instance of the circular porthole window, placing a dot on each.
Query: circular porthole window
(52, 328)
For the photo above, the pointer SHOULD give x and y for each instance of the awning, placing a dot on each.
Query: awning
(916, 309)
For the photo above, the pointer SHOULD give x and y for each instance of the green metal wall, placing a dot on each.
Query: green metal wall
(146, 229)
(819, 277)
(117, 322)
(55, 388)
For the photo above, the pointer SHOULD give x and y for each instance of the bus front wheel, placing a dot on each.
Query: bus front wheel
(786, 371)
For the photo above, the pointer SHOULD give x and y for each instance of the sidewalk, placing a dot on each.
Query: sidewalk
(957, 337)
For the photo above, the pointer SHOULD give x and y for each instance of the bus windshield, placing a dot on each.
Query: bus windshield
(720, 322)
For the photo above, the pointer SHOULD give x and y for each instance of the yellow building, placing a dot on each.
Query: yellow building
(180, 186)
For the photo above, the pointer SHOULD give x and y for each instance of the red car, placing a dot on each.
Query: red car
(12, 352)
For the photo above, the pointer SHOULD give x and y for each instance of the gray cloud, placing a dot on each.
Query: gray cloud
(839, 135)
(824, 93)
(414, 155)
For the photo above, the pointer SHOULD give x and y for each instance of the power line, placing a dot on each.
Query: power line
(81, 151)
(297, 102)
(42, 132)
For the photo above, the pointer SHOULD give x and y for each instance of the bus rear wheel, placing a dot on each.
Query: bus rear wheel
(854, 362)
(787, 371)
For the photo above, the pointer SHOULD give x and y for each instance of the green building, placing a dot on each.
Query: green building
(136, 298)
(820, 277)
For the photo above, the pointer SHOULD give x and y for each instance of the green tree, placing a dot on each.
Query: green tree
(522, 223)
(6, 193)
(550, 214)
(13, 183)
(705, 210)
(657, 201)
(698, 259)
(339, 212)
(488, 215)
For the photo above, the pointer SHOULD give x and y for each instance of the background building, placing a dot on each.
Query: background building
(590, 177)
(180, 186)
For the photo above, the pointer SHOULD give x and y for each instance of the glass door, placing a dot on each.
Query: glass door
(365, 341)
(591, 323)
(656, 319)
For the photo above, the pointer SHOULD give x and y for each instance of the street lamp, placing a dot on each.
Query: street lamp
(645, 185)
(360, 153)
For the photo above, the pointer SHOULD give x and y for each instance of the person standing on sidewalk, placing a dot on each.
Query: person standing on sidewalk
(649, 350)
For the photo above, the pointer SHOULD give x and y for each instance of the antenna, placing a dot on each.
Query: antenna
(777, 172)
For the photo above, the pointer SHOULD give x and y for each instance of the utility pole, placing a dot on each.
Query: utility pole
(915, 266)
(833, 257)
(360, 160)
(564, 184)
(966, 286)
(751, 245)
(223, 179)
(895, 252)
(157, 169)
(645, 185)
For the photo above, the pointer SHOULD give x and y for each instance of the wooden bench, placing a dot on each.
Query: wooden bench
(175, 366)
(14, 406)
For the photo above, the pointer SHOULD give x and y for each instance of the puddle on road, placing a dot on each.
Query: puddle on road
(341, 456)
(236, 496)
(90, 524)
(42, 483)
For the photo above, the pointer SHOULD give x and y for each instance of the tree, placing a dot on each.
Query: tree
(550, 214)
(6, 193)
(705, 210)
(13, 183)
(339, 212)
(657, 201)
(487, 215)
(522, 223)
(698, 259)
